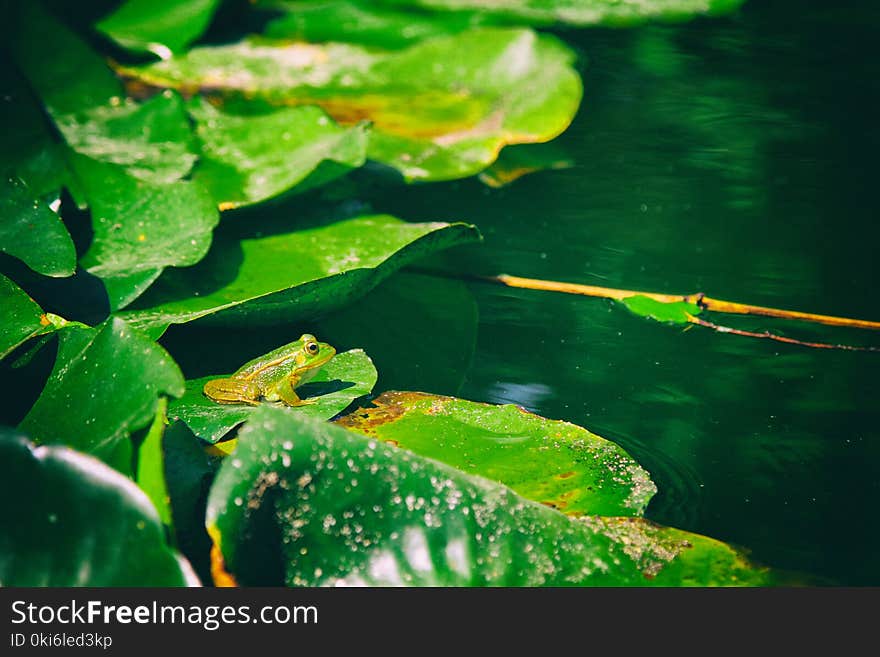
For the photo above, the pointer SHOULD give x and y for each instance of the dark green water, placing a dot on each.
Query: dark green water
(733, 156)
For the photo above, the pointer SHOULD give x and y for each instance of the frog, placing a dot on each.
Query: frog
(275, 376)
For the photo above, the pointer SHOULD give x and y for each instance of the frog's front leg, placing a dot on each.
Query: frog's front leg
(287, 393)
(232, 391)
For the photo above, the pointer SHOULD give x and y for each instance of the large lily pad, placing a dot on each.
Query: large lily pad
(248, 159)
(159, 27)
(441, 109)
(32, 232)
(346, 377)
(105, 384)
(615, 13)
(141, 227)
(553, 462)
(69, 520)
(302, 502)
(20, 317)
(287, 276)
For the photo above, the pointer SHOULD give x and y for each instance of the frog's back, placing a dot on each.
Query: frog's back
(277, 362)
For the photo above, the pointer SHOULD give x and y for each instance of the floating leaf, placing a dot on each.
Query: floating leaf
(614, 13)
(361, 22)
(307, 503)
(556, 463)
(69, 520)
(152, 140)
(141, 227)
(346, 377)
(32, 232)
(150, 470)
(518, 161)
(159, 27)
(441, 109)
(676, 312)
(248, 159)
(288, 276)
(20, 317)
(105, 385)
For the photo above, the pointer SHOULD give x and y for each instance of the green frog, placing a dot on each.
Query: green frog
(275, 376)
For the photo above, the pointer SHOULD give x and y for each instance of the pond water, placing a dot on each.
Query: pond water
(733, 156)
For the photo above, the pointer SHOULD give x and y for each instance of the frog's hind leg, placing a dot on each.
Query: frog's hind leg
(232, 391)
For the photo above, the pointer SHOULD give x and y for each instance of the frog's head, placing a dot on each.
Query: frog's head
(313, 354)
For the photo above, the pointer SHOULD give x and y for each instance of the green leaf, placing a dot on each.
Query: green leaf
(67, 75)
(613, 13)
(556, 463)
(150, 470)
(248, 159)
(675, 312)
(29, 150)
(302, 502)
(69, 520)
(32, 232)
(518, 161)
(441, 109)
(346, 377)
(20, 317)
(159, 27)
(105, 385)
(152, 140)
(281, 278)
(141, 227)
(362, 23)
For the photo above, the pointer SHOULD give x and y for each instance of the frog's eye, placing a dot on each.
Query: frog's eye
(312, 348)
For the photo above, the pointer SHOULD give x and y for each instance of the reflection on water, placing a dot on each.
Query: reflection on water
(732, 156)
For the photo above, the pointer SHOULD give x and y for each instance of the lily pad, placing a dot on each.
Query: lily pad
(612, 13)
(364, 23)
(346, 377)
(441, 109)
(105, 384)
(248, 159)
(556, 463)
(306, 503)
(285, 277)
(32, 232)
(20, 317)
(141, 227)
(675, 312)
(149, 472)
(161, 27)
(70, 520)
(518, 161)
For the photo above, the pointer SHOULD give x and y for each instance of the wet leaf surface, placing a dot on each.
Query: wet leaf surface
(105, 384)
(159, 27)
(675, 312)
(77, 522)
(20, 317)
(301, 502)
(613, 13)
(149, 472)
(248, 159)
(346, 377)
(440, 109)
(282, 277)
(32, 232)
(556, 463)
